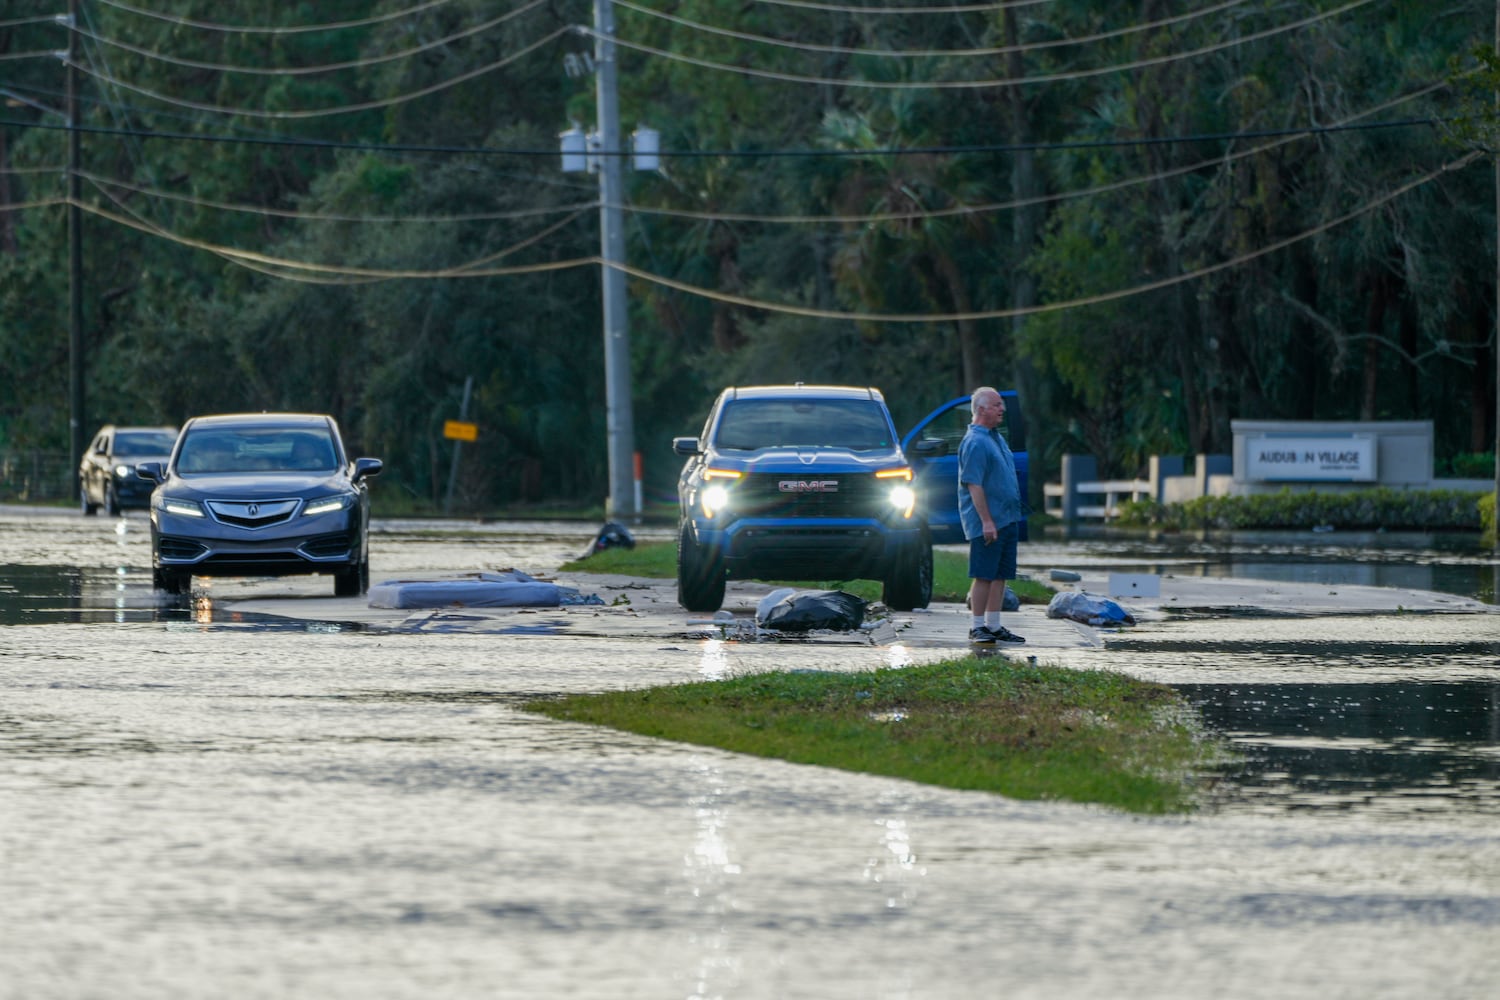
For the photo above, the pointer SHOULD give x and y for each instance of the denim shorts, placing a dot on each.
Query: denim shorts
(997, 560)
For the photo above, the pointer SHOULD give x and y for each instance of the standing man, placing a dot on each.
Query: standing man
(990, 507)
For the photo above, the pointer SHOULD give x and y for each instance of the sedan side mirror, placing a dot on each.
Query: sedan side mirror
(152, 471)
(364, 468)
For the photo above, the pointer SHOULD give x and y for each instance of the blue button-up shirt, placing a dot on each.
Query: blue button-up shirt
(985, 458)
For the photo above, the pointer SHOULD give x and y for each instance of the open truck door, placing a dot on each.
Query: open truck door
(932, 448)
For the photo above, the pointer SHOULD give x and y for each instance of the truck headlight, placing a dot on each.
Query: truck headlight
(903, 498)
(715, 499)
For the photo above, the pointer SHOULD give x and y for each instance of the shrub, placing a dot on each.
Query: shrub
(1382, 507)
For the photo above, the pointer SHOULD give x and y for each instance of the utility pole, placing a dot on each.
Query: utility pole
(619, 418)
(1496, 159)
(75, 256)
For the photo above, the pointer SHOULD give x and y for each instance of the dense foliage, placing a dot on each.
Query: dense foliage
(1144, 236)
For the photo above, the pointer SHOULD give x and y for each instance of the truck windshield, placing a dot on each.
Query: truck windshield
(854, 424)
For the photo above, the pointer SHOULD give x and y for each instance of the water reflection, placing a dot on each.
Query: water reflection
(1449, 563)
(69, 595)
(1400, 747)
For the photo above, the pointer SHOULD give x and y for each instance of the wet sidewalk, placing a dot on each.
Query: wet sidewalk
(648, 609)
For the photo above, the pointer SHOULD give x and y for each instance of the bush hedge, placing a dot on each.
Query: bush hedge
(1382, 507)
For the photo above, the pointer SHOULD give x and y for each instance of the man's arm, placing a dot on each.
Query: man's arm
(982, 508)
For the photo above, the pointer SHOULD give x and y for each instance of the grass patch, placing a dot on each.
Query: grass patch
(983, 724)
(950, 573)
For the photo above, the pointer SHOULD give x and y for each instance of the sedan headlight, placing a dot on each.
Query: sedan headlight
(184, 508)
(324, 505)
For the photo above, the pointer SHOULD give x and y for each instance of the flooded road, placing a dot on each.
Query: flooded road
(199, 803)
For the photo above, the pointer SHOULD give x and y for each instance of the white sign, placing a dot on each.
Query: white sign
(1295, 457)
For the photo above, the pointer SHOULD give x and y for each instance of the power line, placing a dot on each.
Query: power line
(342, 109)
(34, 54)
(1009, 147)
(927, 53)
(1045, 199)
(302, 216)
(951, 9)
(471, 270)
(310, 70)
(253, 30)
(1002, 82)
(465, 270)
(1091, 300)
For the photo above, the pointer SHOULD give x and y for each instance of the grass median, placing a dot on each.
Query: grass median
(982, 723)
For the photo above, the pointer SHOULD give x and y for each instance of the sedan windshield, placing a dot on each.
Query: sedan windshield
(258, 449)
(138, 444)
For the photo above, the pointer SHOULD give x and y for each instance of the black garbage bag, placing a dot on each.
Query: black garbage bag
(805, 610)
(613, 535)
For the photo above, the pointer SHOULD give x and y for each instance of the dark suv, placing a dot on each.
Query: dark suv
(801, 482)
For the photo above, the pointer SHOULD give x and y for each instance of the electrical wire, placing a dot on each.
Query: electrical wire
(301, 216)
(926, 53)
(251, 30)
(999, 147)
(34, 54)
(152, 54)
(988, 84)
(325, 112)
(18, 22)
(1078, 303)
(951, 9)
(998, 206)
(469, 271)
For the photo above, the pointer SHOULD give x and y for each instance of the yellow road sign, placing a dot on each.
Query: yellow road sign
(458, 430)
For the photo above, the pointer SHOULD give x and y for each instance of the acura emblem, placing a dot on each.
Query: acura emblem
(253, 510)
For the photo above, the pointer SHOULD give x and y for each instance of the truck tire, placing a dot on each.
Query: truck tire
(908, 584)
(700, 574)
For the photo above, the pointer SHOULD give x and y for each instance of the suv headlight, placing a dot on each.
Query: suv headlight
(124, 471)
(182, 508)
(324, 505)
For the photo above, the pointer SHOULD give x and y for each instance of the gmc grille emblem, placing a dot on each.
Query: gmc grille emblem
(808, 485)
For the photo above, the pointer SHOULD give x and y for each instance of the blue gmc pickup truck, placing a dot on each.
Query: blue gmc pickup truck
(812, 482)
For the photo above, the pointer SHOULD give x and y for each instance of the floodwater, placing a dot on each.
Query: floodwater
(196, 803)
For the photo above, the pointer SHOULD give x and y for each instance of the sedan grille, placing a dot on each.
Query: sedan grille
(253, 513)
